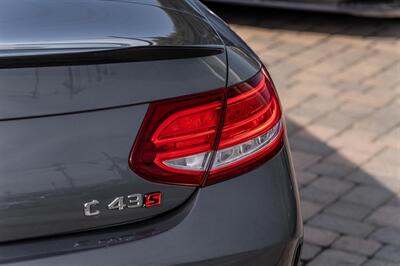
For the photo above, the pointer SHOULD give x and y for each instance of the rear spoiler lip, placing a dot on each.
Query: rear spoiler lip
(106, 56)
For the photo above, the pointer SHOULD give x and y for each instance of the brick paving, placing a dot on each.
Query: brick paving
(339, 81)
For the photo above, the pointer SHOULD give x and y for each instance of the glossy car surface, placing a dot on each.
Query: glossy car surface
(77, 81)
(373, 8)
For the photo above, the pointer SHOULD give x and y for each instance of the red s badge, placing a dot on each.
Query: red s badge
(152, 199)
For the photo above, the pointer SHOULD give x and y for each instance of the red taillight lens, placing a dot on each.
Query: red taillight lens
(206, 138)
(174, 129)
(252, 109)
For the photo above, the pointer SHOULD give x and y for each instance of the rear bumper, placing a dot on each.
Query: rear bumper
(253, 219)
(369, 8)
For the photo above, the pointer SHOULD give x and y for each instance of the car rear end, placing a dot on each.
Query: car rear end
(139, 134)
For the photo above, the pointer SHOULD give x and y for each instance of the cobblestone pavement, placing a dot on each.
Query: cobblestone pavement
(339, 80)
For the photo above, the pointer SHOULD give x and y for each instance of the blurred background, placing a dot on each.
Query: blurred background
(338, 77)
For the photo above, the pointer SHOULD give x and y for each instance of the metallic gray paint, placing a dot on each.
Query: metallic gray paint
(26, 92)
(64, 25)
(66, 133)
(250, 220)
(243, 63)
(51, 166)
(241, 66)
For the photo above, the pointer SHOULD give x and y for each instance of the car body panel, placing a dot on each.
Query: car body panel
(214, 231)
(86, 22)
(27, 92)
(89, 25)
(51, 166)
(83, 119)
(243, 62)
(67, 132)
(241, 67)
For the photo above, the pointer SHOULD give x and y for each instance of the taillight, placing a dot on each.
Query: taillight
(206, 138)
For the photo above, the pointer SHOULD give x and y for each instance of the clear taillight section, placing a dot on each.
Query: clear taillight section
(206, 138)
(236, 153)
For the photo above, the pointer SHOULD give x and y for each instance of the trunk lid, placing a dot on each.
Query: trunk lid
(67, 126)
(66, 34)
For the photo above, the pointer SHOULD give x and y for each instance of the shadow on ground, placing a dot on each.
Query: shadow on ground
(352, 217)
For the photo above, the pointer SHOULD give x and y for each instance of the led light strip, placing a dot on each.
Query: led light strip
(240, 151)
(227, 156)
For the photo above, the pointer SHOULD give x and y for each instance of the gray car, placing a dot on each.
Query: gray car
(139, 132)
